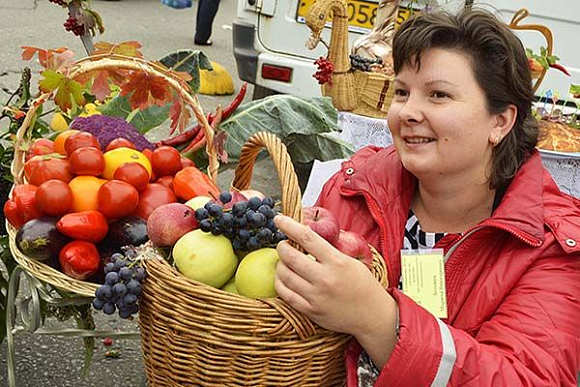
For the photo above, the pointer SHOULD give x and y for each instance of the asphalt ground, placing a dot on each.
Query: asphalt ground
(51, 361)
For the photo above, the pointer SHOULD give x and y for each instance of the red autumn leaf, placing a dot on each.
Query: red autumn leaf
(147, 90)
(129, 48)
(220, 145)
(54, 59)
(100, 88)
(180, 116)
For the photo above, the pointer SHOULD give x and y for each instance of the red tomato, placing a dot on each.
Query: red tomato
(54, 197)
(134, 174)
(39, 169)
(120, 143)
(166, 181)
(185, 162)
(153, 196)
(117, 199)
(149, 154)
(165, 161)
(42, 146)
(79, 259)
(80, 140)
(87, 161)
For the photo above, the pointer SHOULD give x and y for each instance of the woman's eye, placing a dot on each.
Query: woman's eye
(440, 94)
(401, 92)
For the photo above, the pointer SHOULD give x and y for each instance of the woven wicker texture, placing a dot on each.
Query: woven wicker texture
(85, 66)
(196, 335)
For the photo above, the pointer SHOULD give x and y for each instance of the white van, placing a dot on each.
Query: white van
(270, 38)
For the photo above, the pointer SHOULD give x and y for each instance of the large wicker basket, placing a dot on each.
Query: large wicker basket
(195, 335)
(83, 67)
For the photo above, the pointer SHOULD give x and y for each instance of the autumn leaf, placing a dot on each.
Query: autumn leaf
(54, 59)
(129, 48)
(147, 90)
(220, 145)
(180, 116)
(100, 88)
(66, 89)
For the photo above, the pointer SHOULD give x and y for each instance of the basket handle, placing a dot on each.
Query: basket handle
(116, 62)
(291, 206)
(515, 25)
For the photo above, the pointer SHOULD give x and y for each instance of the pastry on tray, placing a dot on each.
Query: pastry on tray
(558, 137)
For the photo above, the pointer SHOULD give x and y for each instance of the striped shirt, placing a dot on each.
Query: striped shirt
(414, 239)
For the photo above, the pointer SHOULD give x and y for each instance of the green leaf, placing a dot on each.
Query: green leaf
(543, 62)
(143, 120)
(68, 92)
(189, 61)
(302, 123)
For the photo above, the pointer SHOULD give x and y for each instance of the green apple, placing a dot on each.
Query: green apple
(256, 274)
(206, 258)
(197, 202)
(230, 286)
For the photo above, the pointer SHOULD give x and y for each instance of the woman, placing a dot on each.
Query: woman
(463, 174)
(206, 11)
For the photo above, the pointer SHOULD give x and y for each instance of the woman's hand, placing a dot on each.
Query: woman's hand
(337, 292)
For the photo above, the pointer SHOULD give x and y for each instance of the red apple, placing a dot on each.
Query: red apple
(323, 222)
(251, 193)
(354, 245)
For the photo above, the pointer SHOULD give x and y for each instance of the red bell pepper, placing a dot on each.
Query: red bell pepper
(24, 196)
(13, 215)
(79, 259)
(89, 226)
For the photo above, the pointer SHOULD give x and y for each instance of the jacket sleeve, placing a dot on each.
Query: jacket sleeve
(533, 339)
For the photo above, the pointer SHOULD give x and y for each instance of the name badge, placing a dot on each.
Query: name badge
(423, 275)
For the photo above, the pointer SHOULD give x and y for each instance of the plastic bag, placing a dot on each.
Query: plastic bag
(177, 4)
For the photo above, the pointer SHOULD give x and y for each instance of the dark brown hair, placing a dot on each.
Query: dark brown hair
(500, 66)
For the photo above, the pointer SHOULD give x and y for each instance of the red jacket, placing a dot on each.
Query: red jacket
(513, 281)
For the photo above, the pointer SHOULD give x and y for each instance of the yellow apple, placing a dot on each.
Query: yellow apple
(206, 258)
(230, 286)
(256, 274)
(197, 202)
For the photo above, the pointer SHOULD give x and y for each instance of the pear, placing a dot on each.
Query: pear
(256, 274)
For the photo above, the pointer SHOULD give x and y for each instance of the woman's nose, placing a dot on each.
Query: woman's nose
(411, 111)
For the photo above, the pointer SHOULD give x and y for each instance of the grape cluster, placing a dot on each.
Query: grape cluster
(58, 2)
(358, 62)
(122, 287)
(324, 73)
(71, 24)
(248, 224)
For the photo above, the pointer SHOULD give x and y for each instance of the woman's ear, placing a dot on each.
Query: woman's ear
(504, 122)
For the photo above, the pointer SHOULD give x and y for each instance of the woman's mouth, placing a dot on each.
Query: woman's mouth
(418, 140)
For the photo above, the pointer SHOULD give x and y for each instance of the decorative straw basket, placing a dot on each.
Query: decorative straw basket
(196, 335)
(83, 68)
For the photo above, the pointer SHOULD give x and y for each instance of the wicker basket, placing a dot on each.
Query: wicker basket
(83, 67)
(195, 335)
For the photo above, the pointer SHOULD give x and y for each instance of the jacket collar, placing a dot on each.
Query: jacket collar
(521, 211)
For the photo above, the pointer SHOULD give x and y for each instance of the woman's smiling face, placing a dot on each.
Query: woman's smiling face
(439, 119)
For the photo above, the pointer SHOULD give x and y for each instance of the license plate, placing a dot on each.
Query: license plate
(361, 14)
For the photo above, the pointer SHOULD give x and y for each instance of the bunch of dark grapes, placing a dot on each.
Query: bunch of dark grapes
(248, 224)
(358, 62)
(71, 24)
(324, 73)
(122, 287)
(58, 2)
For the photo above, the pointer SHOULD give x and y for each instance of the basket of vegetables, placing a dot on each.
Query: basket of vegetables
(212, 317)
(80, 198)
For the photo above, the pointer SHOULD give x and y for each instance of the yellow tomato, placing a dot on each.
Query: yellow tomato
(58, 123)
(85, 191)
(89, 109)
(119, 156)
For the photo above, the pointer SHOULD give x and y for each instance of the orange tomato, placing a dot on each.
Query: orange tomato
(60, 140)
(85, 191)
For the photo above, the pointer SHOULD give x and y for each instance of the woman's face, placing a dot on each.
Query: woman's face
(439, 120)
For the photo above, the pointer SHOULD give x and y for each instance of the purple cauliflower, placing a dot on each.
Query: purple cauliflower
(106, 129)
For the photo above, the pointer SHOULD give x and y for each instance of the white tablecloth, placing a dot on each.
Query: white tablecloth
(361, 131)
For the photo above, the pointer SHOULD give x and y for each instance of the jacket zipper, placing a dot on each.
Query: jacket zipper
(378, 216)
